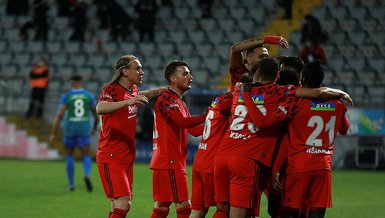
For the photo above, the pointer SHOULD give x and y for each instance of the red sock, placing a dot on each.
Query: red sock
(220, 214)
(183, 212)
(118, 213)
(159, 213)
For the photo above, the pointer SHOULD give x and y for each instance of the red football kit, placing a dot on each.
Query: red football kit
(255, 147)
(171, 120)
(116, 149)
(243, 138)
(313, 126)
(217, 122)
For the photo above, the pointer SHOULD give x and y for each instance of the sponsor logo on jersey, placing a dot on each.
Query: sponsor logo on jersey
(283, 109)
(132, 110)
(314, 150)
(258, 99)
(322, 106)
(202, 146)
(106, 96)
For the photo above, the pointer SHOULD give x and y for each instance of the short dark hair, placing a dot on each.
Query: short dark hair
(268, 68)
(246, 78)
(288, 77)
(76, 78)
(313, 74)
(251, 50)
(171, 68)
(293, 62)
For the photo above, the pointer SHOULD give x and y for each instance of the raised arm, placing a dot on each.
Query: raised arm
(324, 93)
(105, 107)
(259, 119)
(236, 50)
(150, 94)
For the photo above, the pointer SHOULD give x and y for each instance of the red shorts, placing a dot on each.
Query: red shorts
(202, 190)
(116, 178)
(237, 180)
(169, 185)
(312, 187)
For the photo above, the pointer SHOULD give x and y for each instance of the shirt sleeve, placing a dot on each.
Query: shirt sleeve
(173, 112)
(63, 99)
(344, 126)
(224, 105)
(256, 115)
(196, 131)
(235, 75)
(108, 94)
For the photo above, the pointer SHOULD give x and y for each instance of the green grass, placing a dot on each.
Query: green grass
(36, 189)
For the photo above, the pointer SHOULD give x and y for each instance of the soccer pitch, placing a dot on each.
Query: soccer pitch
(37, 189)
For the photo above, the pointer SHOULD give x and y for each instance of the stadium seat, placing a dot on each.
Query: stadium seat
(17, 46)
(227, 24)
(196, 37)
(53, 47)
(147, 47)
(55, 85)
(338, 12)
(35, 47)
(378, 64)
(72, 47)
(22, 59)
(10, 69)
(58, 59)
(358, 12)
(5, 58)
(166, 48)
(184, 48)
(109, 47)
(220, 12)
(96, 60)
(178, 36)
(336, 63)
(238, 12)
(89, 47)
(79, 59)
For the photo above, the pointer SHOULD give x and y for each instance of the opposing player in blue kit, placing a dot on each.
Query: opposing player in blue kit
(76, 107)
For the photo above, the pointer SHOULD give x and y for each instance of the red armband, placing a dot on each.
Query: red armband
(272, 39)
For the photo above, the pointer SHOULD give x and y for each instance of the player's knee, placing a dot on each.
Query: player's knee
(162, 205)
(123, 203)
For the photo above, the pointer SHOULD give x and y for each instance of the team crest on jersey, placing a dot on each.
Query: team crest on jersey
(322, 106)
(258, 99)
(214, 103)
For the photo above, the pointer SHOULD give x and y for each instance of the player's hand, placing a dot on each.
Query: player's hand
(246, 87)
(347, 98)
(275, 182)
(139, 99)
(161, 90)
(283, 43)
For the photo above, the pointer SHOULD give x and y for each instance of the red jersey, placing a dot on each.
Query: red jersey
(216, 125)
(243, 138)
(313, 127)
(117, 134)
(235, 75)
(171, 120)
